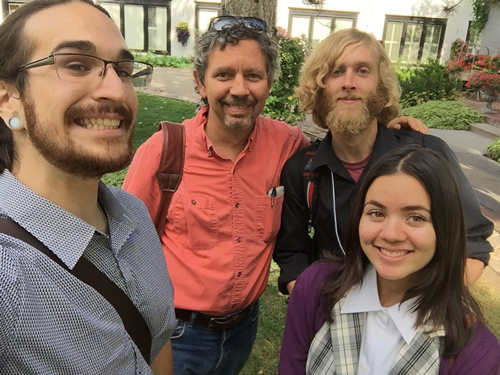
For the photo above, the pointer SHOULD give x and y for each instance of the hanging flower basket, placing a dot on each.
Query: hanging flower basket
(182, 31)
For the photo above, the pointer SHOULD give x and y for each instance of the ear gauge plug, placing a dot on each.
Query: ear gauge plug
(14, 122)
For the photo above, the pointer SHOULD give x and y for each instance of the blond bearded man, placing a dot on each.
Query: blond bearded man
(351, 89)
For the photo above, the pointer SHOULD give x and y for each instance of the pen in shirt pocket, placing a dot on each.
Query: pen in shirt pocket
(274, 192)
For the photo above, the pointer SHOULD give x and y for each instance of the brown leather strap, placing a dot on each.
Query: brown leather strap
(170, 170)
(87, 272)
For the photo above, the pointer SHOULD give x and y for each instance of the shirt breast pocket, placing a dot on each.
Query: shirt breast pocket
(269, 217)
(201, 220)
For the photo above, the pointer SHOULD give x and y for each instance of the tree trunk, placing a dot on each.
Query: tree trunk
(263, 9)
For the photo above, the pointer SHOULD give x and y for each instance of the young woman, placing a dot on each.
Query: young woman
(397, 303)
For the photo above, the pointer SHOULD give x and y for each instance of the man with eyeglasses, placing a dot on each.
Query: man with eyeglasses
(83, 280)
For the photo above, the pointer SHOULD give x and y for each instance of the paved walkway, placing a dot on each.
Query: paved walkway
(483, 173)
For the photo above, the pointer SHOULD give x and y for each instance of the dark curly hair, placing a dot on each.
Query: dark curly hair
(232, 34)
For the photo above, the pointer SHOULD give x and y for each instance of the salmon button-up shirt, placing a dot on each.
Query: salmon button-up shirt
(224, 218)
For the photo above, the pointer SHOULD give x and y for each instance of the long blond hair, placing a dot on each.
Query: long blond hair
(325, 58)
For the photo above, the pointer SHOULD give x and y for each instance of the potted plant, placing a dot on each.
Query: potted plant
(488, 86)
(459, 48)
(182, 31)
(464, 64)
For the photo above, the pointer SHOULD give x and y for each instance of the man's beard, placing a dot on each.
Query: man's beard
(63, 152)
(238, 121)
(346, 120)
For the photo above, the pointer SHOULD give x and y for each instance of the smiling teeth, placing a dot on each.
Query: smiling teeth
(100, 123)
(394, 254)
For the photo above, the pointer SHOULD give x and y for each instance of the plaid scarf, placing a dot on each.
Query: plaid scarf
(336, 347)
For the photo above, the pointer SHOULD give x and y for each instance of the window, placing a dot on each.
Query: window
(317, 25)
(204, 13)
(134, 26)
(145, 24)
(14, 6)
(467, 38)
(411, 39)
(114, 12)
(157, 28)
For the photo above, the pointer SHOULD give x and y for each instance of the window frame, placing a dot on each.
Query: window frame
(312, 14)
(425, 22)
(204, 6)
(146, 4)
(6, 6)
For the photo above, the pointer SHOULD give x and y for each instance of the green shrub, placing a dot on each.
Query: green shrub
(404, 72)
(427, 81)
(163, 59)
(494, 150)
(281, 105)
(442, 114)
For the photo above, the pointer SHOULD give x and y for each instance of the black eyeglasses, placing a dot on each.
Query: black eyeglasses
(218, 23)
(87, 69)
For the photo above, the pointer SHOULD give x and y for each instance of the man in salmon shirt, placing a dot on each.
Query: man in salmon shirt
(224, 217)
(223, 220)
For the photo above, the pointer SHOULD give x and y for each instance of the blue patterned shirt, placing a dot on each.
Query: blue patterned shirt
(53, 323)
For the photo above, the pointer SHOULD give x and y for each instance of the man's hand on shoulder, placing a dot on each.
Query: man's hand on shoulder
(408, 123)
(290, 286)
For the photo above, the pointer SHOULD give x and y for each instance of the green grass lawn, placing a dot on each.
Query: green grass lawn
(265, 354)
(488, 297)
(152, 110)
(266, 351)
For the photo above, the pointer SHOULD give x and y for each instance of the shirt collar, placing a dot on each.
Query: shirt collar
(325, 156)
(51, 224)
(113, 207)
(364, 298)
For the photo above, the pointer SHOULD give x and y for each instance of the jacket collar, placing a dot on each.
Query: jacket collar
(325, 155)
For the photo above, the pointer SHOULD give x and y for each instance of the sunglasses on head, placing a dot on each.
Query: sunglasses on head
(218, 23)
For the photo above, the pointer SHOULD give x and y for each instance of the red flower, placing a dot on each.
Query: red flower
(483, 80)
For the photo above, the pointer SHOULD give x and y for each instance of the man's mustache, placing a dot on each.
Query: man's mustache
(235, 101)
(97, 110)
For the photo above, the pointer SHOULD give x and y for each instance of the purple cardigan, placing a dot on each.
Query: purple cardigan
(304, 319)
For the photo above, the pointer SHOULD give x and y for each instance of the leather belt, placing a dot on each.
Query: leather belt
(213, 323)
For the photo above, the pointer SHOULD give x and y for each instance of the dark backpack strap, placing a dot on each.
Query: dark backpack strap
(87, 272)
(170, 169)
(310, 187)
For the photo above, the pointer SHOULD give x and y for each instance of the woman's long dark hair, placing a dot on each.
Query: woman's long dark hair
(442, 299)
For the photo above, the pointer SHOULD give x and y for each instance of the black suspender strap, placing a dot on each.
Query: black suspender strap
(88, 273)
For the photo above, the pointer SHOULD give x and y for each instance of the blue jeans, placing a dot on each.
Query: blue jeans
(198, 351)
